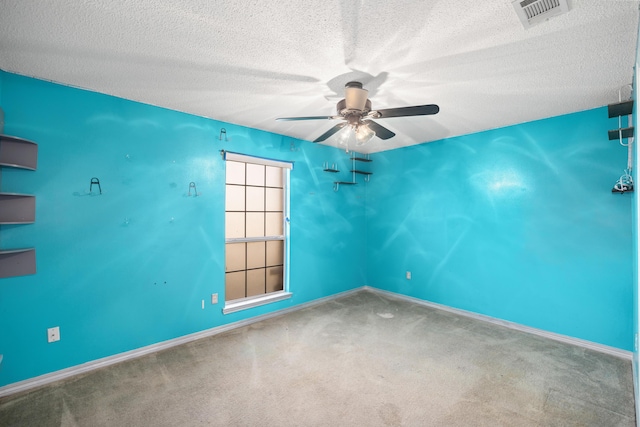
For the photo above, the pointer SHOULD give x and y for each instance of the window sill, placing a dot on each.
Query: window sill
(246, 303)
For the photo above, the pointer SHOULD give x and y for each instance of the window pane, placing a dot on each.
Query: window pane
(255, 224)
(234, 224)
(274, 199)
(274, 279)
(255, 174)
(235, 172)
(255, 282)
(235, 257)
(234, 286)
(234, 198)
(256, 254)
(255, 198)
(273, 176)
(275, 252)
(274, 223)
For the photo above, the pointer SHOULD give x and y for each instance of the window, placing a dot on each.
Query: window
(256, 228)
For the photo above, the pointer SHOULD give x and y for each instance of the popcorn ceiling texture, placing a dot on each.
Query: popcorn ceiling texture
(250, 62)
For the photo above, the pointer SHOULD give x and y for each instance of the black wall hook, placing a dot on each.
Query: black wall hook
(97, 182)
(195, 191)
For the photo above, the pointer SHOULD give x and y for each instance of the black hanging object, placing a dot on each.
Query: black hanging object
(97, 182)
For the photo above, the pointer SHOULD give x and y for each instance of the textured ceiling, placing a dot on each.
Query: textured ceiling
(248, 62)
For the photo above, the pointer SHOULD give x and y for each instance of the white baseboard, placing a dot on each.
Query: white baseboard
(41, 380)
(624, 354)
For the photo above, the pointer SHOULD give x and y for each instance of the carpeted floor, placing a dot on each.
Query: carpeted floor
(361, 360)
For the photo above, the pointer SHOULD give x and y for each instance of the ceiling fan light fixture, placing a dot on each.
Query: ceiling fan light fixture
(346, 136)
(364, 134)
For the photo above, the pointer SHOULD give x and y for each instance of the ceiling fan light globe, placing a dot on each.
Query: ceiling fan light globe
(344, 135)
(364, 134)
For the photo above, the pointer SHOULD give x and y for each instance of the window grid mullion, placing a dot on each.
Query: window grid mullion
(246, 245)
(264, 220)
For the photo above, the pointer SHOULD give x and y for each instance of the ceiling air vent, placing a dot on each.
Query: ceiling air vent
(532, 12)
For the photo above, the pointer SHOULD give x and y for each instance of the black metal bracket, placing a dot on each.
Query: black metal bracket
(195, 191)
(97, 182)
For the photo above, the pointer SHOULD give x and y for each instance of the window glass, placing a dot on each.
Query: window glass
(255, 198)
(256, 254)
(235, 198)
(235, 256)
(235, 173)
(255, 174)
(235, 285)
(234, 225)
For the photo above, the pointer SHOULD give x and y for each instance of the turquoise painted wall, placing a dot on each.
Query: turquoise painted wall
(517, 223)
(103, 260)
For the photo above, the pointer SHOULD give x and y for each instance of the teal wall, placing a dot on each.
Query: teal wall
(103, 260)
(517, 223)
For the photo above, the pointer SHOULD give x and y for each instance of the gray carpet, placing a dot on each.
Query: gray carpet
(361, 360)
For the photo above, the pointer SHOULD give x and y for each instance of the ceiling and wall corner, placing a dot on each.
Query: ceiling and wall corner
(248, 63)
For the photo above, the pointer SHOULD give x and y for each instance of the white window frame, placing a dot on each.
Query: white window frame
(259, 300)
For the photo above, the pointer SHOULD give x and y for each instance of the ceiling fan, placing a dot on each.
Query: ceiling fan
(355, 111)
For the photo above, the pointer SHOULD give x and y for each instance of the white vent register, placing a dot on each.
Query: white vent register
(532, 12)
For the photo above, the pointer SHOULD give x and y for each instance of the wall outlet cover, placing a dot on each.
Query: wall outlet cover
(53, 334)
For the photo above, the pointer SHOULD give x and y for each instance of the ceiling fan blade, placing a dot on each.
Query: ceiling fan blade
(308, 118)
(381, 131)
(330, 132)
(418, 110)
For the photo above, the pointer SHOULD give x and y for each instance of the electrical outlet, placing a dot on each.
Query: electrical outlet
(214, 298)
(53, 334)
(408, 275)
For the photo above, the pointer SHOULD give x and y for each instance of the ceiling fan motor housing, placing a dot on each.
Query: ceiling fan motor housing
(355, 96)
(346, 112)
